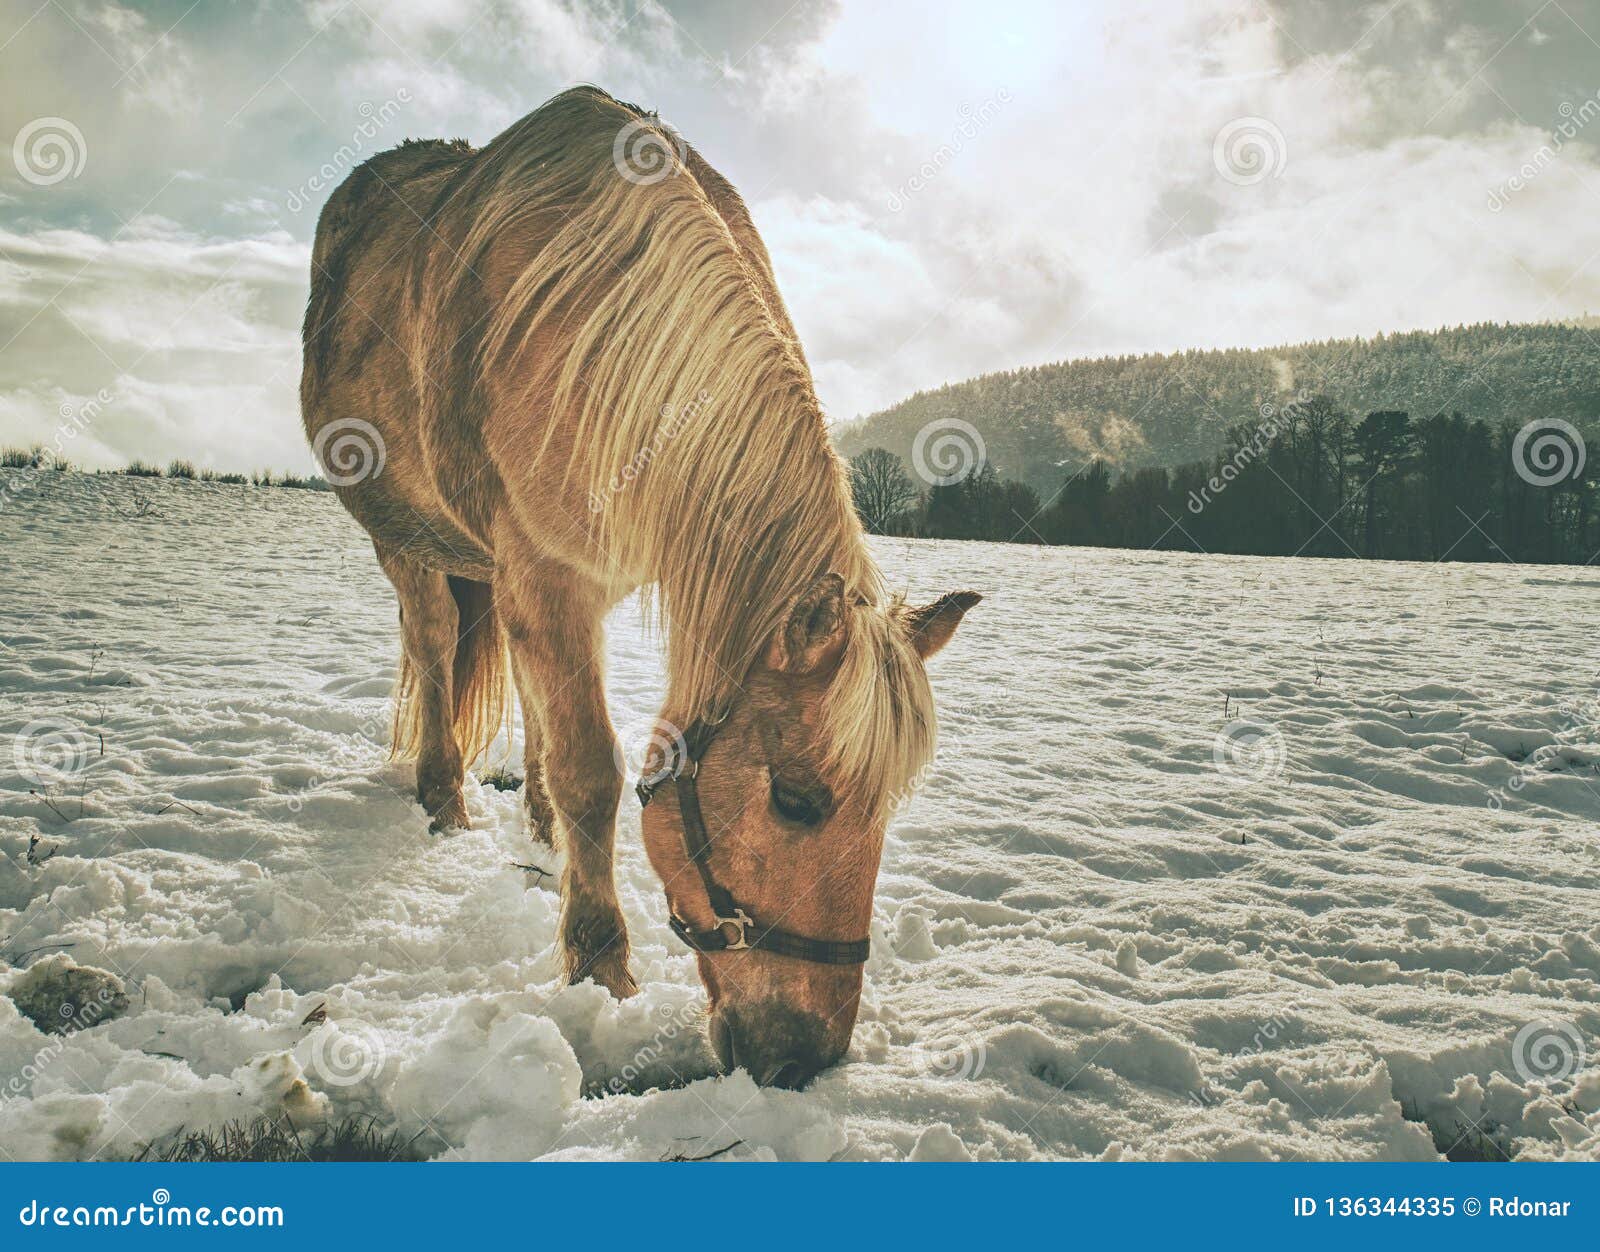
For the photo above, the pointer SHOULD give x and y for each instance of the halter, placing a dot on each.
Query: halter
(747, 933)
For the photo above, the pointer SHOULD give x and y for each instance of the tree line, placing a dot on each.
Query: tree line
(1168, 409)
(1307, 479)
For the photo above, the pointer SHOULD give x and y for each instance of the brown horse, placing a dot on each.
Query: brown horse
(553, 371)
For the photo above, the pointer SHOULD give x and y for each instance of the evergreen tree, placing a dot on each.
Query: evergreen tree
(1302, 481)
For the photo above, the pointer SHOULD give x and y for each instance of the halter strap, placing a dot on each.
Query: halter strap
(746, 933)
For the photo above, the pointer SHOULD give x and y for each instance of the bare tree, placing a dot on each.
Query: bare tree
(881, 487)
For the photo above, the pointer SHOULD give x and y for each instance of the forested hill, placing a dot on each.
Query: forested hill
(1134, 411)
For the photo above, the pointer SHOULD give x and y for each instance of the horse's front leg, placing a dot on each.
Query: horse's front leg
(552, 621)
(535, 796)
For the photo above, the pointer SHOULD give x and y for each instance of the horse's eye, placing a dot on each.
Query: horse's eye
(808, 808)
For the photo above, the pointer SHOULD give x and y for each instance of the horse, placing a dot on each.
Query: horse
(555, 371)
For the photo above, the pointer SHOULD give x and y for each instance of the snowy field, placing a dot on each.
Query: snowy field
(1221, 858)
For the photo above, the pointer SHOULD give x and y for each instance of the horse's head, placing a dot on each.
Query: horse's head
(793, 790)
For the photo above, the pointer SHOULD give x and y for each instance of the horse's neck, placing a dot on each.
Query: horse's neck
(748, 553)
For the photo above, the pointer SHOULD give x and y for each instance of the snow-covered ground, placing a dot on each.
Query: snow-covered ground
(1221, 858)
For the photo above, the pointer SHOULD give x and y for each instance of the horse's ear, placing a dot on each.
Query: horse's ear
(932, 625)
(813, 634)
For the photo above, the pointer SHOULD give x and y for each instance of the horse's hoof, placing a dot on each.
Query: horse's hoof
(451, 814)
(608, 968)
(618, 982)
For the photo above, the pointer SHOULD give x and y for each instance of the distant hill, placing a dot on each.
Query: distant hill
(1042, 422)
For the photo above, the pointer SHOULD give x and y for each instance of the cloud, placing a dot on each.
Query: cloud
(180, 346)
(1090, 217)
(945, 189)
(158, 71)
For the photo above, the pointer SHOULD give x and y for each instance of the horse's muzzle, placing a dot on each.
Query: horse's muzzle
(775, 1044)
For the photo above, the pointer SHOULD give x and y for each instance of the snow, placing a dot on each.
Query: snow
(1220, 858)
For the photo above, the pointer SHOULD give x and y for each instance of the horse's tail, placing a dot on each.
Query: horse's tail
(477, 681)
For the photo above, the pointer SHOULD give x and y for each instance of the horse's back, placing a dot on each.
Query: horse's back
(358, 398)
(417, 254)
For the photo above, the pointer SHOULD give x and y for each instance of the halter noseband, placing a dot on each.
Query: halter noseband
(684, 771)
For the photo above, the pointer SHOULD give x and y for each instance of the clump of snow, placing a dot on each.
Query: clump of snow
(939, 1143)
(58, 995)
(497, 1078)
(1221, 858)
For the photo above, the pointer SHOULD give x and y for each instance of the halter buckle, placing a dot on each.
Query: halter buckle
(646, 787)
(743, 921)
(649, 784)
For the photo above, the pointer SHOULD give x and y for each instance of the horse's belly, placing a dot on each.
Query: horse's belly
(425, 535)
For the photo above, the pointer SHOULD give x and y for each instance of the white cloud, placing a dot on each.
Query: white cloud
(191, 344)
(945, 189)
(157, 69)
(1089, 217)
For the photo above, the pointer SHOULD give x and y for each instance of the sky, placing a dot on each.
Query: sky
(947, 188)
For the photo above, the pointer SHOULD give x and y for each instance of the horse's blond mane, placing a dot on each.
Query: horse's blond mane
(645, 313)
